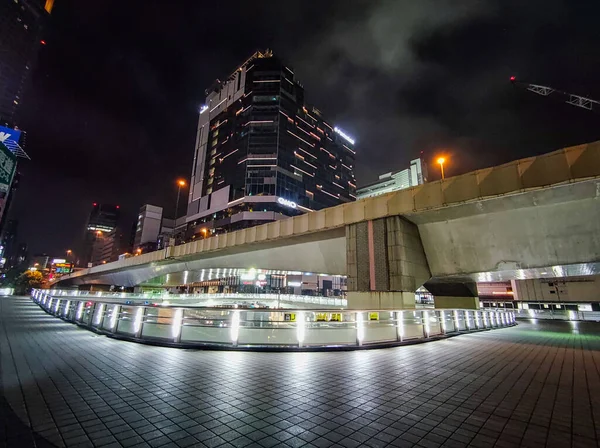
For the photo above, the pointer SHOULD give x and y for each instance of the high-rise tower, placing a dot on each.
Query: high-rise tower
(263, 154)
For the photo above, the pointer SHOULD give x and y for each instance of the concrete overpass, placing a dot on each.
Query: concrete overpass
(514, 221)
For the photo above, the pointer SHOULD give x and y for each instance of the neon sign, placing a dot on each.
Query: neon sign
(287, 203)
(344, 135)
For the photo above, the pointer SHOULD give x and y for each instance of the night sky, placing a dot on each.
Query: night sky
(111, 112)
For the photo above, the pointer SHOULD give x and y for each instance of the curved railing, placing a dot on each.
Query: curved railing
(268, 328)
(201, 299)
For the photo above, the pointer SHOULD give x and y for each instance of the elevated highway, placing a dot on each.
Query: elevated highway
(513, 221)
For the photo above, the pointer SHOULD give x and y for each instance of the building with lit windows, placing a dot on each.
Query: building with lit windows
(102, 221)
(396, 180)
(21, 27)
(263, 154)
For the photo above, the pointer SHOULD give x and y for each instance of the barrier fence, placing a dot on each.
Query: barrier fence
(202, 299)
(274, 328)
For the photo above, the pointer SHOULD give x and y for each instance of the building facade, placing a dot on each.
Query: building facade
(262, 154)
(148, 225)
(21, 27)
(103, 219)
(396, 180)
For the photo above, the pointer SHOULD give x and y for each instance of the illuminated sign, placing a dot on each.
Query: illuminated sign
(9, 134)
(344, 135)
(8, 165)
(59, 260)
(294, 284)
(287, 203)
(203, 109)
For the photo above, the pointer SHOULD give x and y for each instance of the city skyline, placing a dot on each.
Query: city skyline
(104, 114)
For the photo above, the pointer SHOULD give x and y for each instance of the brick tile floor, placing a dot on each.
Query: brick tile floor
(532, 385)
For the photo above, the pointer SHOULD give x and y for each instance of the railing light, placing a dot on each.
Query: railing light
(360, 328)
(300, 327)
(235, 326)
(113, 317)
(177, 319)
(99, 312)
(137, 323)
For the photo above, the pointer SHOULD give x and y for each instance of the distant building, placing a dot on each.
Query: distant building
(8, 242)
(396, 180)
(103, 220)
(40, 261)
(263, 154)
(172, 232)
(148, 226)
(22, 254)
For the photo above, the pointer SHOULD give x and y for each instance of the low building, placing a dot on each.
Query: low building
(396, 180)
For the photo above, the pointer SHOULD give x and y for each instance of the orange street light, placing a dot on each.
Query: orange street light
(204, 231)
(180, 183)
(69, 251)
(441, 161)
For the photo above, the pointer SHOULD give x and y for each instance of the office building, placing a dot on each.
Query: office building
(103, 219)
(172, 232)
(396, 180)
(263, 154)
(108, 246)
(148, 226)
(21, 27)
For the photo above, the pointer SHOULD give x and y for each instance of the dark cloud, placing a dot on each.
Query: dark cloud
(112, 110)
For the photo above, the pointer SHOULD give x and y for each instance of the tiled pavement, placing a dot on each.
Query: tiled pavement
(532, 385)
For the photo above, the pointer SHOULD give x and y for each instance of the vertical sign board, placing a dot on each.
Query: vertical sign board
(8, 165)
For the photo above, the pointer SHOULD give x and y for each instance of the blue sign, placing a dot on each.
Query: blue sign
(9, 134)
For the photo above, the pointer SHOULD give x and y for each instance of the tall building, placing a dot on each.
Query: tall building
(21, 27)
(396, 180)
(103, 220)
(263, 154)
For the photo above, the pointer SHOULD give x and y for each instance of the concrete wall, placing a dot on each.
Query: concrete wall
(386, 263)
(515, 237)
(573, 289)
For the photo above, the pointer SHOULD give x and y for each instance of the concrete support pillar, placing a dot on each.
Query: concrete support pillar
(386, 264)
(454, 294)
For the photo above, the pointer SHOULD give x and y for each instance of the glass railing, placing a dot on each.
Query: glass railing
(221, 299)
(279, 328)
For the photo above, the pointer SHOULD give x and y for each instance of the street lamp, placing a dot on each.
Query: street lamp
(204, 230)
(180, 183)
(441, 161)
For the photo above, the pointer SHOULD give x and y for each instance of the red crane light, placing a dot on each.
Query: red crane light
(513, 78)
(95, 204)
(43, 42)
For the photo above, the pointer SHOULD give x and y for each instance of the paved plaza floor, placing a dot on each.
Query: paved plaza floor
(537, 384)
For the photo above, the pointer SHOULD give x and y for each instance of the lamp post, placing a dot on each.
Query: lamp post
(180, 183)
(441, 161)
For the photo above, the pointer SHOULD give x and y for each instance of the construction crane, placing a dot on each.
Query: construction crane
(573, 100)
